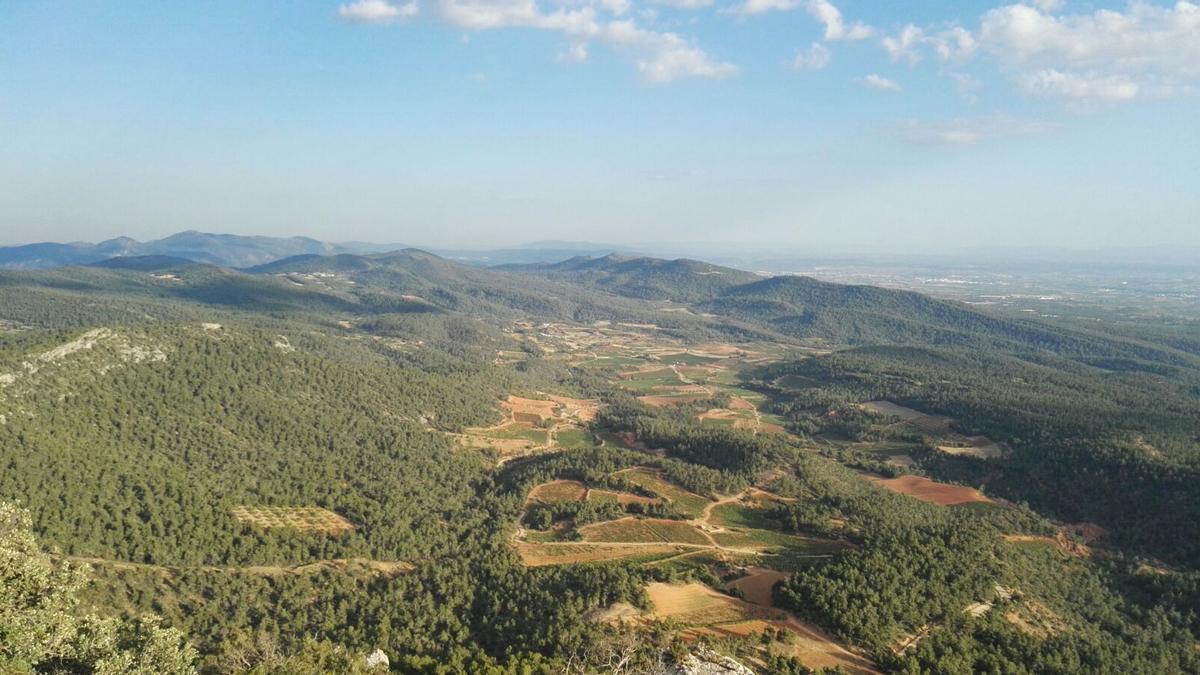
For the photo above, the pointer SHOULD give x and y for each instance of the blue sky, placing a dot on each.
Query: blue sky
(823, 124)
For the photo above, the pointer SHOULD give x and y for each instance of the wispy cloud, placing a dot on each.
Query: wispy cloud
(970, 130)
(815, 57)
(378, 11)
(880, 82)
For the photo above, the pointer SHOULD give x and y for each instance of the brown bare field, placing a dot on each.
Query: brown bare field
(756, 586)
(930, 491)
(301, 519)
(558, 491)
(648, 530)
(540, 555)
(739, 403)
(530, 409)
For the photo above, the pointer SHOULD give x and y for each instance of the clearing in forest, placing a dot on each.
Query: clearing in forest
(534, 425)
(933, 492)
(558, 491)
(645, 530)
(301, 519)
(688, 503)
(531, 411)
(757, 585)
(893, 410)
(706, 612)
(622, 498)
(980, 447)
(695, 604)
(542, 554)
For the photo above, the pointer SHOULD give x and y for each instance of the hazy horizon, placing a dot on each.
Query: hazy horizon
(487, 123)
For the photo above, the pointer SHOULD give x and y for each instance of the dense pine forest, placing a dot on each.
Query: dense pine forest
(162, 420)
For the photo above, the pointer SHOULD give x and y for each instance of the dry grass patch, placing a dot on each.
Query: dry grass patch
(980, 447)
(301, 519)
(584, 410)
(695, 604)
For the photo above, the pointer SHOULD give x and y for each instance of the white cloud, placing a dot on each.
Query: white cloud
(617, 7)
(1105, 56)
(1049, 5)
(903, 45)
(664, 56)
(1085, 88)
(835, 26)
(815, 57)
(880, 82)
(764, 6)
(577, 53)
(658, 56)
(377, 11)
(953, 42)
(970, 131)
(823, 11)
(968, 85)
(685, 4)
(1145, 38)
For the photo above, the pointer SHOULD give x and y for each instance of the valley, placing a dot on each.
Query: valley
(495, 467)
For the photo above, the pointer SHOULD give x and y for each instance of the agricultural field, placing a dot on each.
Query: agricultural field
(645, 530)
(926, 490)
(541, 554)
(558, 491)
(300, 519)
(529, 426)
(685, 502)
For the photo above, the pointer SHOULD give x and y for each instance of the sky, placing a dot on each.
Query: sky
(817, 124)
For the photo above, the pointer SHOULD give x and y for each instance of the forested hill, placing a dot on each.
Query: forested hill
(645, 278)
(837, 314)
(702, 298)
(218, 249)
